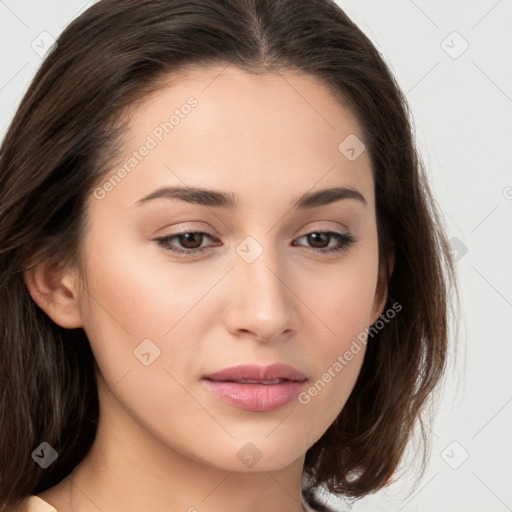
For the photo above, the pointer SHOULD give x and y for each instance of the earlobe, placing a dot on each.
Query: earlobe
(54, 290)
(381, 297)
(381, 293)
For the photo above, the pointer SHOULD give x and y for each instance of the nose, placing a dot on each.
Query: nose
(262, 302)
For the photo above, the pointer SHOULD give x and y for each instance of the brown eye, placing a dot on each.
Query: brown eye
(319, 240)
(188, 242)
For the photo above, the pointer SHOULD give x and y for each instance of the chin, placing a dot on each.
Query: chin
(256, 454)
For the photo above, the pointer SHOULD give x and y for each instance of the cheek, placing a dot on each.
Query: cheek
(123, 306)
(136, 295)
(343, 304)
(342, 296)
(131, 306)
(131, 294)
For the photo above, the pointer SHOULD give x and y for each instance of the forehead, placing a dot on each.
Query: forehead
(262, 135)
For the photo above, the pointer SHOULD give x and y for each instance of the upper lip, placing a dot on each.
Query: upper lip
(257, 373)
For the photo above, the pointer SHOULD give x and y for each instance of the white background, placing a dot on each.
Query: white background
(462, 108)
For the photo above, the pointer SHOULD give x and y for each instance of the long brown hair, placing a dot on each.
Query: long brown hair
(66, 134)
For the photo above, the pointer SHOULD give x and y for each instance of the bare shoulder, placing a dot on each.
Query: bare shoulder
(56, 498)
(34, 503)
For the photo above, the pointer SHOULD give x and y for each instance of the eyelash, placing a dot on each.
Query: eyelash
(345, 240)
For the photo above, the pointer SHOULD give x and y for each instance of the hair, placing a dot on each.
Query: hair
(65, 137)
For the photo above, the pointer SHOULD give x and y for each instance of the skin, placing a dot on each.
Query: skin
(165, 442)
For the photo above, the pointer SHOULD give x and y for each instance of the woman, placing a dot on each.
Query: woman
(224, 279)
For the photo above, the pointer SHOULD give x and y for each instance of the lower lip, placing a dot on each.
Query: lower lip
(255, 397)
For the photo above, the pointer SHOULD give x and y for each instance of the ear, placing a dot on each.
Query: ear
(381, 293)
(54, 290)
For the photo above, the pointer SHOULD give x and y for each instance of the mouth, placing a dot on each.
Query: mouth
(248, 381)
(256, 374)
(256, 388)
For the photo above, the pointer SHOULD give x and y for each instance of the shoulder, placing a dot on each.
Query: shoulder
(36, 504)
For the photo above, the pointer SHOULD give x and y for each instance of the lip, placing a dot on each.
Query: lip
(250, 386)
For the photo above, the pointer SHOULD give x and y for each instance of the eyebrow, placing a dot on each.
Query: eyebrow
(215, 198)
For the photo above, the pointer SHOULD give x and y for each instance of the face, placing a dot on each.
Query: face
(261, 277)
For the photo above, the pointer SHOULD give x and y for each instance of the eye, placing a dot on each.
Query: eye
(188, 239)
(318, 239)
(191, 242)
